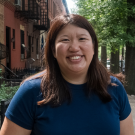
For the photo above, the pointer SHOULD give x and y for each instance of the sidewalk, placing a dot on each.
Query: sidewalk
(132, 103)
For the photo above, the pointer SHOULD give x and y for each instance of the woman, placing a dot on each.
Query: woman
(75, 95)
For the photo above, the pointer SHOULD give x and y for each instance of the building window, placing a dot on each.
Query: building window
(29, 47)
(50, 5)
(37, 49)
(23, 5)
(22, 42)
(13, 38)
(54, 9)
(32, 44)
(32, 49)
(37, 46)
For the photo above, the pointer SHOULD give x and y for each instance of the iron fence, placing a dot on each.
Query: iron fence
(3, 107)
(11, 80)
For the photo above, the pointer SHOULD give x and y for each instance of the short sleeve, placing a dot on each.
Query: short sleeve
(22, 107)
(124, 105)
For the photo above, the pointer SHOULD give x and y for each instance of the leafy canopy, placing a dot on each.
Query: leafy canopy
(109, 18)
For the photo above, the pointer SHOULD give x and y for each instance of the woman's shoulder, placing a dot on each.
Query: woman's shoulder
(34, 83)
(119, 97)
(25, 101)
(30, 87)
(115, 80)
(116, 87)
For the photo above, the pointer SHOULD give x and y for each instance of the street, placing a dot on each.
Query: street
(132, 103)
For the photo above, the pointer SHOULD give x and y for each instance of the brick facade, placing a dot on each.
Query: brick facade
(2, 30)
(32, 37)
(17, 59)
(35, 39)
(55, 8)
(13, 23)
(1, 23)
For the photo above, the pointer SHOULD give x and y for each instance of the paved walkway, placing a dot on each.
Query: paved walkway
(132, 103)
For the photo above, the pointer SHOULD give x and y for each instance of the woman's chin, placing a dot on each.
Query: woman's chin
(76, 70)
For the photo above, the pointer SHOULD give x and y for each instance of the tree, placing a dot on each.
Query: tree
(113, 21)
(103, 55)
(130, 51)
(109, 20)
(114, 67)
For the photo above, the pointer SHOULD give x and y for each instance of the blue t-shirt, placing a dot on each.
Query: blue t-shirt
(83, 116)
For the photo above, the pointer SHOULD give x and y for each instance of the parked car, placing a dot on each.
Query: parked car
(108, 64)
(123, 65)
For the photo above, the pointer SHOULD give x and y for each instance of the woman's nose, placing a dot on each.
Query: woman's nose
(74, 46)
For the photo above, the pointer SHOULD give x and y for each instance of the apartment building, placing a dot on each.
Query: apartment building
(55, 8)
(1, 31)
(23, 27)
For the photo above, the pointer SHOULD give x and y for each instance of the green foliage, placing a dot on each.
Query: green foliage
(7, 92)
(110, 20)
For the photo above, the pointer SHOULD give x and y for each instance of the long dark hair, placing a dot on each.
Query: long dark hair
(53, 87)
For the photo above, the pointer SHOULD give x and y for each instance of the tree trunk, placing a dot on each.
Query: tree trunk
(103, 55)
(130, 70)
(130, 59)
(114, 63)
(123, 53)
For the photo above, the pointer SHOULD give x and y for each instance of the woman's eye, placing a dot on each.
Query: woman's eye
(82, 38)
(65, 39)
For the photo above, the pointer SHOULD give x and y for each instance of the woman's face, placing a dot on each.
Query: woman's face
(74, 50)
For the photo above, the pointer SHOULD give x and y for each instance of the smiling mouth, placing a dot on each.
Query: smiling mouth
(75, 57)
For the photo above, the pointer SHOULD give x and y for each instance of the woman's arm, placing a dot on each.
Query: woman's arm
(10, 128)
(126, 126)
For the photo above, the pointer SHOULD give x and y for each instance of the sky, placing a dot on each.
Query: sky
(70, 4)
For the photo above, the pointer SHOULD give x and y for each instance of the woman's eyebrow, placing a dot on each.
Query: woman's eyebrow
(64, 36)
(82, 35)
(77, 35)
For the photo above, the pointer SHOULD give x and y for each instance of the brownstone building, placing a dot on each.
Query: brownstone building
(55, 8)
(23, 28)
(2, 29)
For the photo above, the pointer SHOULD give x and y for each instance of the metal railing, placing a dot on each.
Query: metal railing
(3, 107)
(13, 80)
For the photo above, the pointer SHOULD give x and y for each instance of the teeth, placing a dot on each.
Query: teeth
(75, 57)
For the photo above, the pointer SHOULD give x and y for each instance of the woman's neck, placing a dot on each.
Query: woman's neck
(75, 78)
